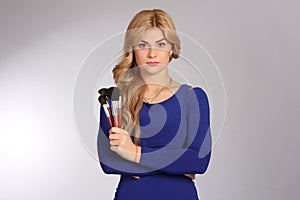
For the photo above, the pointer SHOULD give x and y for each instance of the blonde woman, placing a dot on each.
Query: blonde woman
(164, 139)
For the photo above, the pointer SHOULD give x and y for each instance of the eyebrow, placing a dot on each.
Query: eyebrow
(155, 42)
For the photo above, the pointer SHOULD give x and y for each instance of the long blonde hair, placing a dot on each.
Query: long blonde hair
(126, 73)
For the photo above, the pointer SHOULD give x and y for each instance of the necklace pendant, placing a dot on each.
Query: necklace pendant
(151, 99)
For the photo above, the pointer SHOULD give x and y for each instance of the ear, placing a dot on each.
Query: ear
(170, 53)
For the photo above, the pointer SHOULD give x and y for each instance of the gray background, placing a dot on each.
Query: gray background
(43, 44)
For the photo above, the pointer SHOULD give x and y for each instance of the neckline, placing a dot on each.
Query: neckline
(171, 97)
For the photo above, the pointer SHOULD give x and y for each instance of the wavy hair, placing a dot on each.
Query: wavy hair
(126, 73)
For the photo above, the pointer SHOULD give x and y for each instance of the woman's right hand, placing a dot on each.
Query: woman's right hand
(121, 143)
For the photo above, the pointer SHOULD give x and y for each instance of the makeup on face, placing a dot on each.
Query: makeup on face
(161, 44)
(153, 49)
(152, 63)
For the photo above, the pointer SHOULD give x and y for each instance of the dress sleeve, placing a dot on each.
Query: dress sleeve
(110, 161)
(195, 156)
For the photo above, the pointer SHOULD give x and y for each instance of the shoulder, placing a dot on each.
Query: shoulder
(196, 97)
(194, 91)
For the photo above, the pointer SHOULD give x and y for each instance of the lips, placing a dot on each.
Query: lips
(152, 63)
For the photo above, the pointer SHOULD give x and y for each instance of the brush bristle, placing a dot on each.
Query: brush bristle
(102, 99)
(115, 94)
(103, 91)
(110, 91)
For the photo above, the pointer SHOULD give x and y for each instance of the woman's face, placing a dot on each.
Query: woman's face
(153, 52)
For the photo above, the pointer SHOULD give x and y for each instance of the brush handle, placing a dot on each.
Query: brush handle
(116, 124)
(120, 117)
(107, 113)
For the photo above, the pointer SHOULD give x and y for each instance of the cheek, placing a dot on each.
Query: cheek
(165, 57)
(139, 57)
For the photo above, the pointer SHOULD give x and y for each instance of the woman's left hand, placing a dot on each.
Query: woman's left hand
(191, 176)
(122, 144)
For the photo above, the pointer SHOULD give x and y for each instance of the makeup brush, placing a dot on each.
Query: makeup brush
(120, 111)
(106, 93)
(102, 100)
(110, 91)
(115, 105)
(103, 91)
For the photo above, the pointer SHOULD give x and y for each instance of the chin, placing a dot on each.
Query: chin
(152, 70)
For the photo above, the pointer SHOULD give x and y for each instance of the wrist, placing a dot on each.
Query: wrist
(137, 154)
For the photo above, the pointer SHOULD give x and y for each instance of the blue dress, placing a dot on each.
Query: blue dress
(175, 140)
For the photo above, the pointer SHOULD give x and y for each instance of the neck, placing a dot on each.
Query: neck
(155, 90)
(156, 79)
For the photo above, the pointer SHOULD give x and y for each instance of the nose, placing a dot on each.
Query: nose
(152, 52)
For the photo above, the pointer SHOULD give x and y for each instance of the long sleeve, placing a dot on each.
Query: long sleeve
(195, 156)
(110, 161)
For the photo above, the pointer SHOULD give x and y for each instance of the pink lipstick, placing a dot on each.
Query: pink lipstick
(152, 63)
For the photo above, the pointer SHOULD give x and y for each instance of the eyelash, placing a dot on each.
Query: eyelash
(143, 45)
(161, 43)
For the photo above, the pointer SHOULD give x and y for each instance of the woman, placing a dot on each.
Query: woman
(164, 139)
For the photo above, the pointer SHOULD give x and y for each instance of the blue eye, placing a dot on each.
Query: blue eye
(161, 44)
(142, 45)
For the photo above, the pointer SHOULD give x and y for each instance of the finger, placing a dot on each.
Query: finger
(114, 130)
(114, 142)
(192, 176)
(114, 148)
(114, 136)
(118, 130)
(124, 131)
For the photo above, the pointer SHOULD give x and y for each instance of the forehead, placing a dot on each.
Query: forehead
(152, 34)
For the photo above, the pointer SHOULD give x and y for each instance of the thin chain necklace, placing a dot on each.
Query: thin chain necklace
(149, 100)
